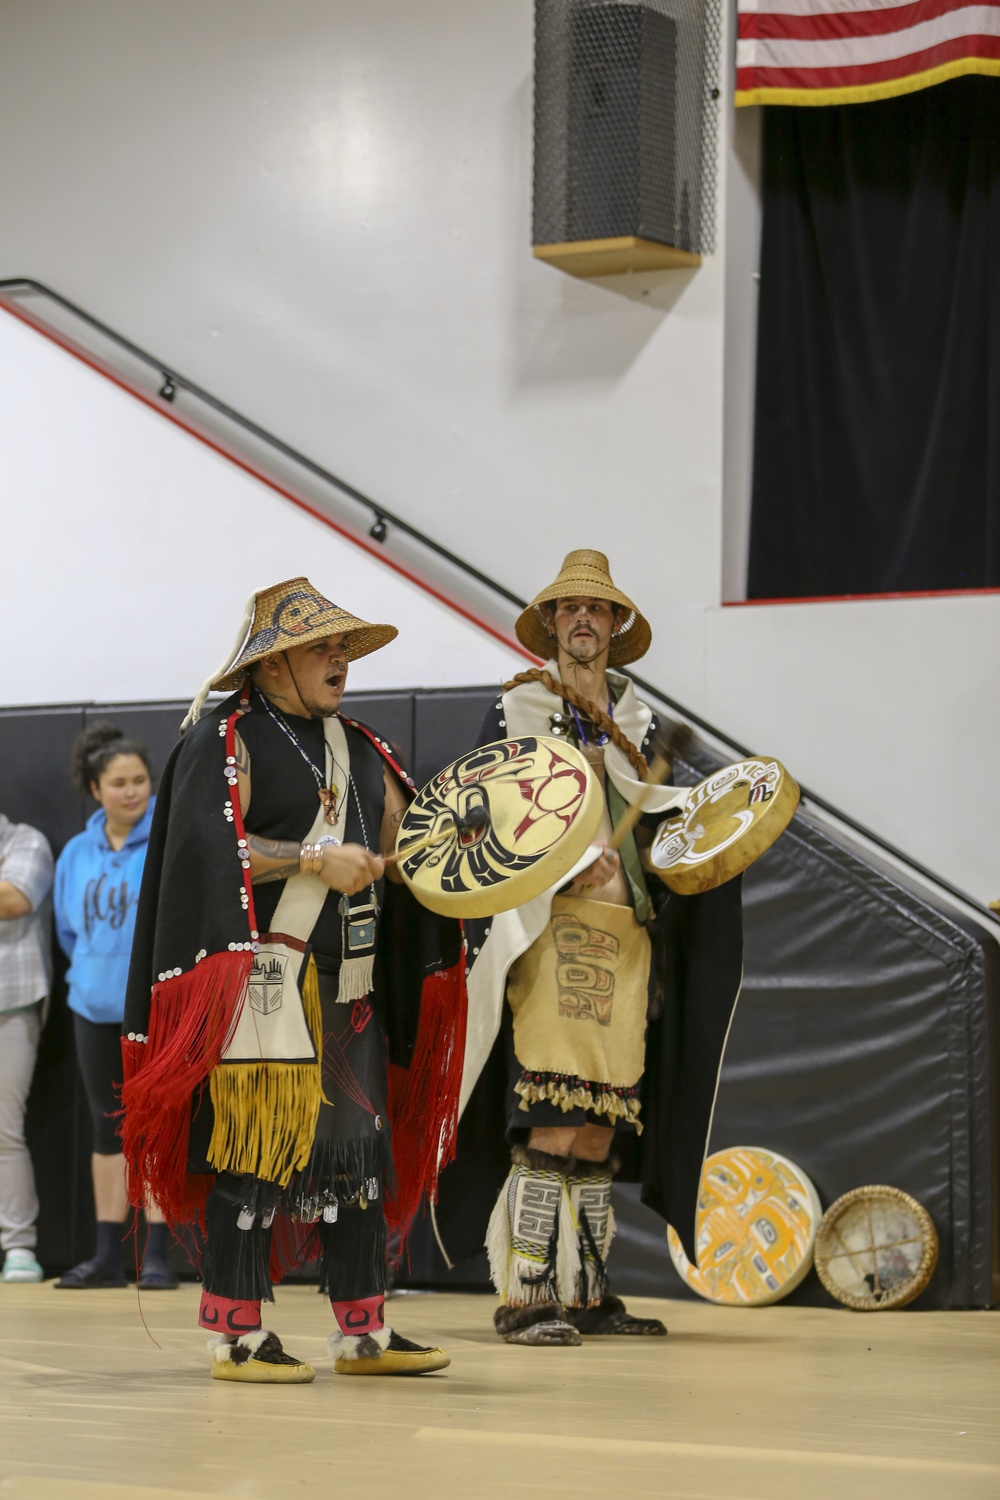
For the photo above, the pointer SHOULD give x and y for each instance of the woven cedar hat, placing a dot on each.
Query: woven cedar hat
(293, 614)
(585, 573)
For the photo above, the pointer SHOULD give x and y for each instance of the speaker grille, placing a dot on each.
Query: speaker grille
(626, 120)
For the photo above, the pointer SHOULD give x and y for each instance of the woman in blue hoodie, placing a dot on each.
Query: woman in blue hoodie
(98, 875)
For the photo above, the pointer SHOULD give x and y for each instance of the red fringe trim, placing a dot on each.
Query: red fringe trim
(423, 1098)
(190, 1019)
(133, 1054)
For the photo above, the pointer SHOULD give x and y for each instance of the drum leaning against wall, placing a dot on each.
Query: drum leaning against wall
(758, 1214)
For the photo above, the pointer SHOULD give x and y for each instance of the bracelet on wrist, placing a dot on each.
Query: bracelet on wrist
(311, 855)
(310, 859)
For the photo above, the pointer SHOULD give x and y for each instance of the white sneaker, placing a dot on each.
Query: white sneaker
(21, 1265)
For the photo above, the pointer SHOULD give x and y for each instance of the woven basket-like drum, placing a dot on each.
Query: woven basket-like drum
(876, 1249)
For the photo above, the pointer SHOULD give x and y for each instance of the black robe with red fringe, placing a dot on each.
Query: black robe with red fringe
(192, 954)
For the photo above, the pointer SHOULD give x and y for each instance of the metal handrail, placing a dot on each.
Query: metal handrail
(174, 381)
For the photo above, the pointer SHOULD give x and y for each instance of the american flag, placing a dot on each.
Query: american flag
(850, 51)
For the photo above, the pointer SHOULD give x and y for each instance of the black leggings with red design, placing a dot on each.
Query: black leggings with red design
(348, 1168)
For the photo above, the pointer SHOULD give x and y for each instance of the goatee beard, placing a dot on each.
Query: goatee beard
(578, 651)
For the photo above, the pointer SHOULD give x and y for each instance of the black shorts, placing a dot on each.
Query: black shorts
(99, 1054)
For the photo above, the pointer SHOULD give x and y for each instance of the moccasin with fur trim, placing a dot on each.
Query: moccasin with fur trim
(258, 1359)
(383, 1353)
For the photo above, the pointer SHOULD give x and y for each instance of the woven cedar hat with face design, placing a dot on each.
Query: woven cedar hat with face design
(585, 574)
(295, 613)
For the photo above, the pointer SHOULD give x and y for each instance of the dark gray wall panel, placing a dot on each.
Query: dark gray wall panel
(155, 725)
(390, 714)
(446, 725)
(36, 746)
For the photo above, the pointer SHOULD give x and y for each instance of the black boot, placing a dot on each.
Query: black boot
(593, 1310)
(610, 1316)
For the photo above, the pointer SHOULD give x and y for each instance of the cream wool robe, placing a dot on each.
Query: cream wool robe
(527, 710)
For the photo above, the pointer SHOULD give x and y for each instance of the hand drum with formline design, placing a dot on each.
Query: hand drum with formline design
(729, 820)
(543, 807)
(756, 1228)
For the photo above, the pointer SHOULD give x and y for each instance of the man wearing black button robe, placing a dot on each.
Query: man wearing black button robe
(255, 1030)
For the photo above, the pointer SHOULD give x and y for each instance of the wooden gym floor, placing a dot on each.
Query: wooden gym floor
(761, 1405)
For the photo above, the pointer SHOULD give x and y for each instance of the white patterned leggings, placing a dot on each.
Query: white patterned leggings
(19, 1033)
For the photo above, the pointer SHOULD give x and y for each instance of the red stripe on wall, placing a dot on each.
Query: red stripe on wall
(869, 73)
(836, 25)
(220, 446)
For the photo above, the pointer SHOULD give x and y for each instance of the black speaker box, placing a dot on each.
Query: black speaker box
(606, 122)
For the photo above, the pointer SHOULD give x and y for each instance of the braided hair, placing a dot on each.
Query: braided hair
(596, 715)
(96, 748)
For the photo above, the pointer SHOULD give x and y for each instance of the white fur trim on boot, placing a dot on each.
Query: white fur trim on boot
(358, 1345)
(222, 1348)
(498, 1243)
(258, 1359)
(382, 1353)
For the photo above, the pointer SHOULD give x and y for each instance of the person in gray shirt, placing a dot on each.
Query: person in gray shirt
(25, 975)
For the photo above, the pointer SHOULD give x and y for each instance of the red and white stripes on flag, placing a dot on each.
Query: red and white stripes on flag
(849, 51)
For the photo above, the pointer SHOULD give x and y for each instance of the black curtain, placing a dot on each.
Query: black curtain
(877, 444)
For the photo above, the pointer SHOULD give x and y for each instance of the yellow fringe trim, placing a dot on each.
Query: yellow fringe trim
(606, 1102)
(266, 1112)
(313, 1007)
(865, 93)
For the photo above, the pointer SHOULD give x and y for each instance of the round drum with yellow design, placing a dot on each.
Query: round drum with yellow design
(729, 820)
(757, 1219)
(499, 826)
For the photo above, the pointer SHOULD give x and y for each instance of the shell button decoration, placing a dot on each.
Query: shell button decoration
(729, 820)
(758, 1214)
(499, 826)
(876, 1249)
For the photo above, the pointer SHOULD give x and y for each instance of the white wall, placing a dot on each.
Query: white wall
(887, 708)
(320, 210)
(131, 549)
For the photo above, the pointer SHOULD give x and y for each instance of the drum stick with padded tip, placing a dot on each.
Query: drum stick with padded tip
(478, 818)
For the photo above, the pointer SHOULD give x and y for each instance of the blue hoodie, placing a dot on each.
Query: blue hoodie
(95, 897)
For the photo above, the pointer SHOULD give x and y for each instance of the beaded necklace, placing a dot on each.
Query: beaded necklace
(602, 739)
(327, 794)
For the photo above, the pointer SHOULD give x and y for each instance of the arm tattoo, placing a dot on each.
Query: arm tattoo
(242, 757)
(283, 852)
(397, 817)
